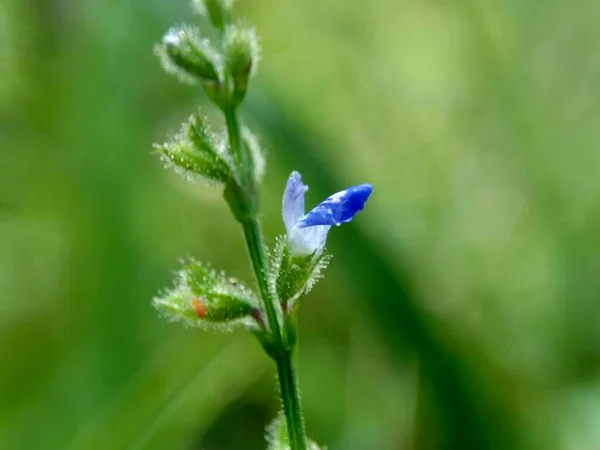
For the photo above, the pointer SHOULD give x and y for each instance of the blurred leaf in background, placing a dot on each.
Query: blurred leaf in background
(461, 311)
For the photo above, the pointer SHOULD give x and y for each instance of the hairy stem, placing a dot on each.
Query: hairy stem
(259, 264)
(281, 354)
(290, 393)
(241, 156)
(233, 131)
(284, 358)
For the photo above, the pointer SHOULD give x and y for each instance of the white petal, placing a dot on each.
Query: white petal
(293, 201)
(306, 241)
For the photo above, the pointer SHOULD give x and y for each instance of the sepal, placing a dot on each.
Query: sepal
(208, 299)
(294, 275)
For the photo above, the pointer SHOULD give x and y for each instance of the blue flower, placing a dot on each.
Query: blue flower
(307, 233)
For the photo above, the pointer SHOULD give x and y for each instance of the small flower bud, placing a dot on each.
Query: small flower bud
(225, 307)
(203, 297)
(241, 58)
(193, 152)
(218, 11)
(185, 54)
(241, 50)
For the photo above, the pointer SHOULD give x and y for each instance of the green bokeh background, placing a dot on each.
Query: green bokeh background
(461, 309)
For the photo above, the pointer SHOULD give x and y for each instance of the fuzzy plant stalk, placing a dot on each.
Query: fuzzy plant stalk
(222, 62)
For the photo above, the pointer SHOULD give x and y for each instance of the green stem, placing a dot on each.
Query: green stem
(242, 159)
(290, 393)
(281, 353)
(284, 358)
(259, 264)
(233, 131)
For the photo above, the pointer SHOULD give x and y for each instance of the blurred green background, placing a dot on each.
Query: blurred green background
(461, 308)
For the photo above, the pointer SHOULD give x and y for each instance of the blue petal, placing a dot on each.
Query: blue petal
(293, 201)
(339, 208)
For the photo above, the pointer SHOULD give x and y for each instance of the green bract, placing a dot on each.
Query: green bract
(257, 153)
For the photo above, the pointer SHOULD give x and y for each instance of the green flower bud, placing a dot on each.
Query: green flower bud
(194, 153)
(294, 276)
(188, 56)
(206, 298)
(218, 11)
(242, 53)
(221, 307)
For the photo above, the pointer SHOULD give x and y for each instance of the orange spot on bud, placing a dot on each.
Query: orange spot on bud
(199, 307)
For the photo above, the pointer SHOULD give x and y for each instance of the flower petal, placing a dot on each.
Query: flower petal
(308, 241)
(337, 209)
(293, 201)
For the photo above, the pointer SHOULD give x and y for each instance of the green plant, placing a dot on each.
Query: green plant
(234, 160)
